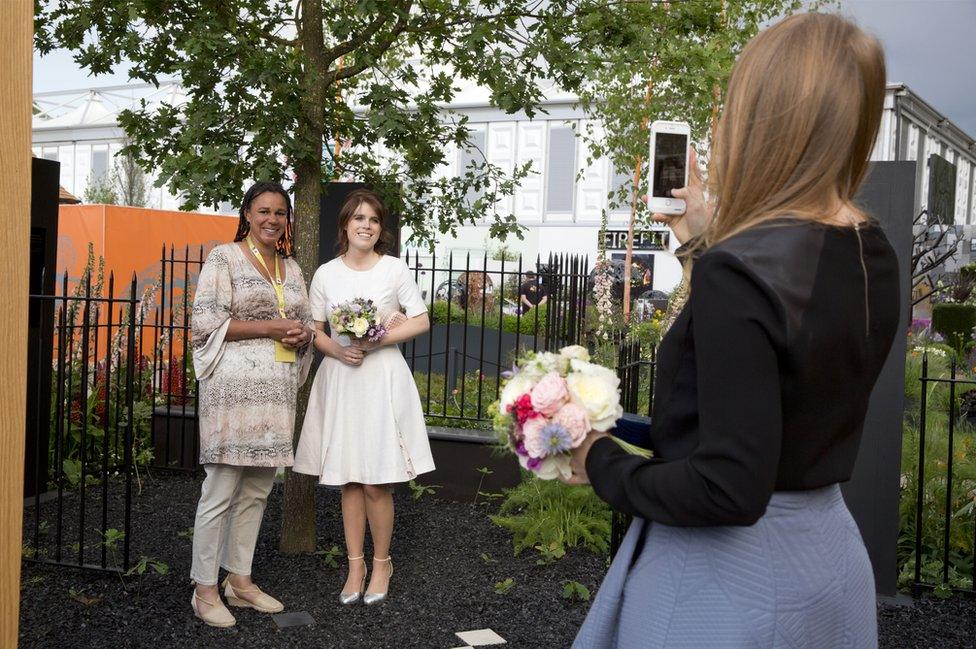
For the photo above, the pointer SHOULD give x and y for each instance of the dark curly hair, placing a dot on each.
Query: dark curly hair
(286, 243)
(385, 243)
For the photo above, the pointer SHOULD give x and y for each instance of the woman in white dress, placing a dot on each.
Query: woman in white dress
(364, 428)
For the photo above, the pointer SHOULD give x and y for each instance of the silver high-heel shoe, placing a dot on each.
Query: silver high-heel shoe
(375, 598)
(351, 598)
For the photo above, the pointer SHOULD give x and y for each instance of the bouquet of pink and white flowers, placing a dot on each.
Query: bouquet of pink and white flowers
(550, 402)
(357, 318)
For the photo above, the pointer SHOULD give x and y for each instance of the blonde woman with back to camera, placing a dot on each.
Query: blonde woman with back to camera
(741, 537)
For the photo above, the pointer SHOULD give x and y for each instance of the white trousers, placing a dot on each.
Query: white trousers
(228, 520)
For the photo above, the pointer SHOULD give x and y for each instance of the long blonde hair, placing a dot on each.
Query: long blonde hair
(801, 115)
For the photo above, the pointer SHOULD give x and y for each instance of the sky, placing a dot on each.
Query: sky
(930, 46)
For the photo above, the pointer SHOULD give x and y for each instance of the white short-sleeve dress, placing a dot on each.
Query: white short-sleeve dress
(364, 424)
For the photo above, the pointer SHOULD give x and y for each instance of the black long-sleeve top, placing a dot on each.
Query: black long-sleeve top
(763, 380)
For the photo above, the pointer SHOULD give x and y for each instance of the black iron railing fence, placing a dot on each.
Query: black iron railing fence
(115, 388)
(937, 545)
(479, 324)
(636, 371)
(81, 427)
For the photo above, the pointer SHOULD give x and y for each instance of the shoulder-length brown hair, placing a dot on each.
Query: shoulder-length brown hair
(350, 206)
(801, 116)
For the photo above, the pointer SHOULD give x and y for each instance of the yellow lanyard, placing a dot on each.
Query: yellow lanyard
(282, 354)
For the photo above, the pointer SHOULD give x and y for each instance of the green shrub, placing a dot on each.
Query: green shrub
(955, 322)
(551, 514)
(531, 323)
(458, 408)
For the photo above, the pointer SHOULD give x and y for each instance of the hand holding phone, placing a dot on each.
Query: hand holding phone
(698, 212)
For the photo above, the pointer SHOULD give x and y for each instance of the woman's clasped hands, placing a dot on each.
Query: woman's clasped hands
(290, 333)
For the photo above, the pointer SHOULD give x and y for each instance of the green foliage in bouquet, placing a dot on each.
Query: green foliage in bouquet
(553, 515)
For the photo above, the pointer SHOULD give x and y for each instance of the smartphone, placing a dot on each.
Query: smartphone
(668, 165)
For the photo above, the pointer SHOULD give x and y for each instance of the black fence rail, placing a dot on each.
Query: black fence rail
(636, 370)
(174, 437)
(938, 540)
(82, 424)
(479, 324)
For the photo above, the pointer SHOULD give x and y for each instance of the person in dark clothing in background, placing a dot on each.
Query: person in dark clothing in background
(531, 293)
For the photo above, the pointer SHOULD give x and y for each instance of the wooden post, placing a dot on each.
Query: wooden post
(16, 33)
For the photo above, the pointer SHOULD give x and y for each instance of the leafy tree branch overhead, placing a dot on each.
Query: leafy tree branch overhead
(268, 80)
(272, 80)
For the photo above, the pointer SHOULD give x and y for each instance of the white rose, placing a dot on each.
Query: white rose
(540, 365)
(514, 388)
(360, 326)
(595, 388)
(575, 351)
(554, 466)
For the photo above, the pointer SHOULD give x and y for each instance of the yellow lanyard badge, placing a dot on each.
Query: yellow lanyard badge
(282, 353)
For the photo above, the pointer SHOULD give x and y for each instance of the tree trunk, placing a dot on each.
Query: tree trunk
(298, 523)
(629, 256)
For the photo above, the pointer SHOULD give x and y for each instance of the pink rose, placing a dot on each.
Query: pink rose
(573, 418)
(532, 436)
(549, 394)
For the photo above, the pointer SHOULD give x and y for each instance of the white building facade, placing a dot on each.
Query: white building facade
(562, 201)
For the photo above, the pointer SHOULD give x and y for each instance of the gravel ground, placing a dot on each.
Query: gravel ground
(448, 558)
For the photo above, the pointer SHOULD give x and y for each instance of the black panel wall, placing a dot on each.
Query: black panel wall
(872, 494)
(45, 175)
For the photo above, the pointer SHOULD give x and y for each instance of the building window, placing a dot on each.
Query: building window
(99, 163)
(472, 155)
(50, 154)
(561, 176)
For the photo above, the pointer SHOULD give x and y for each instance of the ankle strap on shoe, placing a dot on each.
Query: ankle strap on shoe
(383, 560)
(198, 598)
(362, 556)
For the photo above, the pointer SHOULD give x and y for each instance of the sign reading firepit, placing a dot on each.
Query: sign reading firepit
(643, 239)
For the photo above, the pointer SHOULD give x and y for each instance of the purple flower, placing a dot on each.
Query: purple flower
(533, 463)
(556, 438)
(520, 449)
(507, 374)
(919, 326)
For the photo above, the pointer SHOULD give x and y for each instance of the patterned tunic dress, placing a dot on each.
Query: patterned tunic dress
(247, 399)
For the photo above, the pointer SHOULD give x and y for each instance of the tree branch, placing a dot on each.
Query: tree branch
(376, 51)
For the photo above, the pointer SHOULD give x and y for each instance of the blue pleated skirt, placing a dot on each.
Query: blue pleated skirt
(799, 578)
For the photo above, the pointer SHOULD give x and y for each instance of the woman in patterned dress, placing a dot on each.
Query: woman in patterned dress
(251, 334)
(364, 428)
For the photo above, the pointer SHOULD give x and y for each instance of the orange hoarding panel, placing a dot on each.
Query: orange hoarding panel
(134, 240)
(131, 239)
